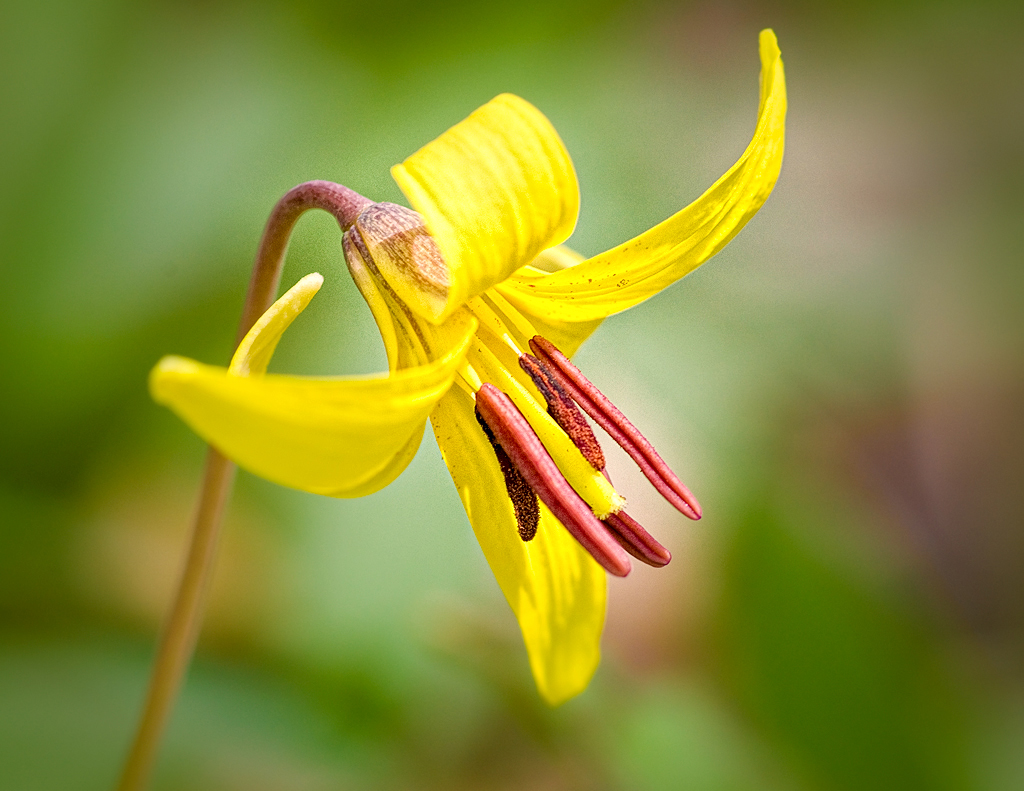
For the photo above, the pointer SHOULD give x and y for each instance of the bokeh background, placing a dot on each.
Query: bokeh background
(842, 387)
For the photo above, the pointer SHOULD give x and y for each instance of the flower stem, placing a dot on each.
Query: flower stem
(181, 629)
(182, 626)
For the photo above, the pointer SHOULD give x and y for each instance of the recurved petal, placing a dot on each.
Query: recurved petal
(341, 436)
(566, 335)
(495, 190)
(630, 273)
(257, 347)
(556, 590)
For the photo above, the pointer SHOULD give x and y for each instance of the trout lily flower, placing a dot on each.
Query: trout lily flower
(480, 306)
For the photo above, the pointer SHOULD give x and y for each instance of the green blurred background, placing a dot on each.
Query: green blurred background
(842, 388)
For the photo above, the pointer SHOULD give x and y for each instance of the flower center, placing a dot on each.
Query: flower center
(566, 390)
(529, 405)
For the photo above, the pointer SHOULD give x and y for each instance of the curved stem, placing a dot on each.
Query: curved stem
(343, 203)
(181, 628)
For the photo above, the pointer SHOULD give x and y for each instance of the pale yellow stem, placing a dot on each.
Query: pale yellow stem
(181, 629)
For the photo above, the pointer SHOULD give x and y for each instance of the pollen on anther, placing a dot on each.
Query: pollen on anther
(563, 410)
(524, 499)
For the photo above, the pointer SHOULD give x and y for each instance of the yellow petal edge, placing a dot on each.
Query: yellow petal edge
(638, 269)
(337, 436)
(257, 347)
(495, 191)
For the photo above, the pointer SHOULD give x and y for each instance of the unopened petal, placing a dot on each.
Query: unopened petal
(341, 436)
(556, 590)
(632, 272)
(495, 190)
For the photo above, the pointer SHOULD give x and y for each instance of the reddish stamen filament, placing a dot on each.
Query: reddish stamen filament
(518, 439)
(626, 530)
(611, 419)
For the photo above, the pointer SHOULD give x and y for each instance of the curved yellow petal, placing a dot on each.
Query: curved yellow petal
(342, 436)
(568, 336)
(257, 347)
(556, 590)
(495, 190)
(632, 272)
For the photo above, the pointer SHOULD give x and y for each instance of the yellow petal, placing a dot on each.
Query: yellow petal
(495, 190)
(257, 347)
(556, 590)
(568, 336)
(640, 268)
(340, 436)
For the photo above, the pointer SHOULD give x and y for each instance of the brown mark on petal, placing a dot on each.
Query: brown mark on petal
(353, 240)
(524, 499)
(610, 418)
(400, 234)
(564, 411)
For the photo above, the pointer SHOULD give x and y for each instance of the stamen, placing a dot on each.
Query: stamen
(637, 541)
(491, 321)
(524, 499)
(565, 412)
(590, 484)
(531, 458)
(611, 419)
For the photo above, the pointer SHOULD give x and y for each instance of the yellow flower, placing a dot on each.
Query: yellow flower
(462, 290)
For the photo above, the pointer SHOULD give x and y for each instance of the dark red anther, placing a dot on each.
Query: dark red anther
(637, 541)
(564, 411)
(608, 416)
(524, 499)
(528, 454)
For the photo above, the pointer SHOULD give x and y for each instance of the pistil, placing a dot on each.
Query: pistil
(526, 452)
(625, 529)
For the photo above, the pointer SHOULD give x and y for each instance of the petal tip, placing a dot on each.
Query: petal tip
(169, 369)
(769, 44)
(302, 292)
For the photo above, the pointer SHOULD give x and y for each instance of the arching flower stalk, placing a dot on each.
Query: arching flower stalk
(480, 307)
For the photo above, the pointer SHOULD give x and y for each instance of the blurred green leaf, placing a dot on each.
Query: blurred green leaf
(845, 679)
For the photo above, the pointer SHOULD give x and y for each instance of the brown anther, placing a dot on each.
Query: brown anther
(515, 435)
(611, 419)
(564, 411)
(524, 499)
(637, 541)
